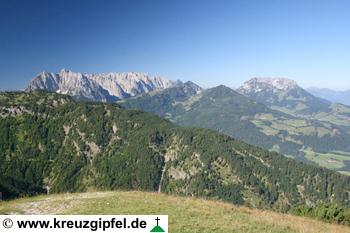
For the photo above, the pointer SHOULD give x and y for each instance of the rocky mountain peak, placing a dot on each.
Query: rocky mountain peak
(193, 86)
(63, 70)
(98, 87)
(259, 84)
(283, 94)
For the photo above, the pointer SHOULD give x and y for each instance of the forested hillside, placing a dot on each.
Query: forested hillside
(51, 143)
(224, 110)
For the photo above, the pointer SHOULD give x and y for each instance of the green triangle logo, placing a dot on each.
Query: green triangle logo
(157, 229)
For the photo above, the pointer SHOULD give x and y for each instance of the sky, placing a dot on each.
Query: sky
(206, 41)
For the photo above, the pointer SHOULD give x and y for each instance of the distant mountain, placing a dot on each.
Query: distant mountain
(285, 95)
(225, 110)
(98, 87)
(49, 142)
(342, 97)
(164, 103)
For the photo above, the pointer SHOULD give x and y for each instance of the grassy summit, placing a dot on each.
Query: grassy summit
(186, 215)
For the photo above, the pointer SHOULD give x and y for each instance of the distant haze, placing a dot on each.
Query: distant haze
(331, 95)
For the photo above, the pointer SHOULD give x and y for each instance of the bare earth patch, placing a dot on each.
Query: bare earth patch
(56, 204)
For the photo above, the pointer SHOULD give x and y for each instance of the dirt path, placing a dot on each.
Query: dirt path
(56, 204)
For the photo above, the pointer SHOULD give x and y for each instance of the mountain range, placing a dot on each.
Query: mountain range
(98, 87)
(52, 143)
(331, 95)
(251, 120)
(272, 113)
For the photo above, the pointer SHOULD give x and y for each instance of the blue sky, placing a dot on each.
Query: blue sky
(209, 42)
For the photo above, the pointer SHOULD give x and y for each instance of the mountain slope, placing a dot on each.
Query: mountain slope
(186, 215)
(163, 102)
(286, 96)
(98, 87)
(52, 143)
(342, 97)
(224, 110)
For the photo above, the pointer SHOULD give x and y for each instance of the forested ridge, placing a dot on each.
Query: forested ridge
(225, 110)
(51, 143)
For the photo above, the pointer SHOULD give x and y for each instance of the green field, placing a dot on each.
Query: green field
(332, 160)
(186, 215)
(272, 127)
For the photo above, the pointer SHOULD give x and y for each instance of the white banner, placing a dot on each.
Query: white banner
(83, 223)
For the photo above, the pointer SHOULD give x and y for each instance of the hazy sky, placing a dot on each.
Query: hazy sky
(209, 42)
